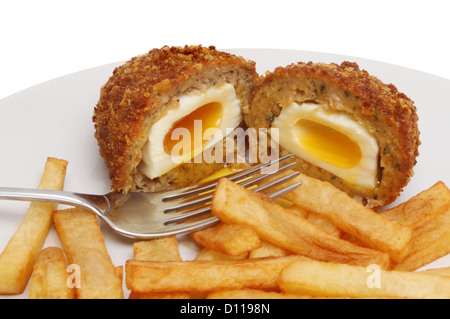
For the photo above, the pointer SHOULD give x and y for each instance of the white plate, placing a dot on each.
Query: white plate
(55, 119)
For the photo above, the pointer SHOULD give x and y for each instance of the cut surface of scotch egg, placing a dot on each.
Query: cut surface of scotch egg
(333, 141)
(198, 122)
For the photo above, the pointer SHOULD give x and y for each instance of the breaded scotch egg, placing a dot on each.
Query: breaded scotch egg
(159, 111)
(344, 126)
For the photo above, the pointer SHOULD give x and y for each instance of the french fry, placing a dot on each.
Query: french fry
(206, 253)
(328, 279)
(312, 217)
(323, 223)
(20, 254)
(252, 294)
(119, 272)
(439, 271)
(161, 249)
(287, 204)
(49, 277)
(292, 207)
(431, 241)
(234, 204)
(268, 250)
(230, 239)
(84, 246)
(210, 254)
(147, 276)
(213, 255)
(351, 216)
(423, 207)
(428, 215)
(159, 295)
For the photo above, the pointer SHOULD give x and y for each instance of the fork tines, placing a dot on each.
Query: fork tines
(261, 178)
(265, 168)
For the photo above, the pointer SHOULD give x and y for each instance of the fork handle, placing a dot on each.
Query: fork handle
(95, 203)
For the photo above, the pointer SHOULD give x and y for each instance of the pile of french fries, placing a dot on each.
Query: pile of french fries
(316, 242)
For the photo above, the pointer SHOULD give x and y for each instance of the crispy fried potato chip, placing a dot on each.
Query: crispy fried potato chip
(20, 254)
(431, 241)
(159, 295)
(329, 279)
(49, 277)
(210, 254)
(439, 271)
(268, 250)
(351, 216)
(323, 223)
(252, 294)
(230, 239)
(428, 215)
(314, 218)
(161, 249)
(421, 208)
(202, 275)
(206, 253)
(84, 246)
(234, 204)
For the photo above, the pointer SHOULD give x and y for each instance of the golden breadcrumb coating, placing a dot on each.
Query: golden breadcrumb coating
(389, 115)
(141, 91)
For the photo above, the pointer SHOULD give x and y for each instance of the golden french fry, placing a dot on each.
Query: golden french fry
(119, 272)
(292, 207)
(202, 275)
(428, 214)
(297, 210)
(159, 295)
(351, 216)
(49, 277)
(230, 239)
(330, 279)
(431, 241)
(312, 217)
(252, 294)
(323, 223)
(84, 246)
(268, 250)
(20, 254)
(421, 208)
(161, 249)
(285, 203)
(439, 271)
(210, 254)
(234, 204)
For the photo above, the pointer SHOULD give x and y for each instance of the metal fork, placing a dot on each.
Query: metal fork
(145, 215)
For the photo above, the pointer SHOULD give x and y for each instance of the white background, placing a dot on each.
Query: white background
(42, 40)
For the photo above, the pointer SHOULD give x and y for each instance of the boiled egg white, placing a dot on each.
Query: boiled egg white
(199, 121)
(334, 141)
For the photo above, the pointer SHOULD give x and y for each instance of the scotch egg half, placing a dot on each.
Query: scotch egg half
(159, 111)
(331, 140)
(344, 126)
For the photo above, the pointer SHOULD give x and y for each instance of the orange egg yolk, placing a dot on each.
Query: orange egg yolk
(210, 116)
(327, 144)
